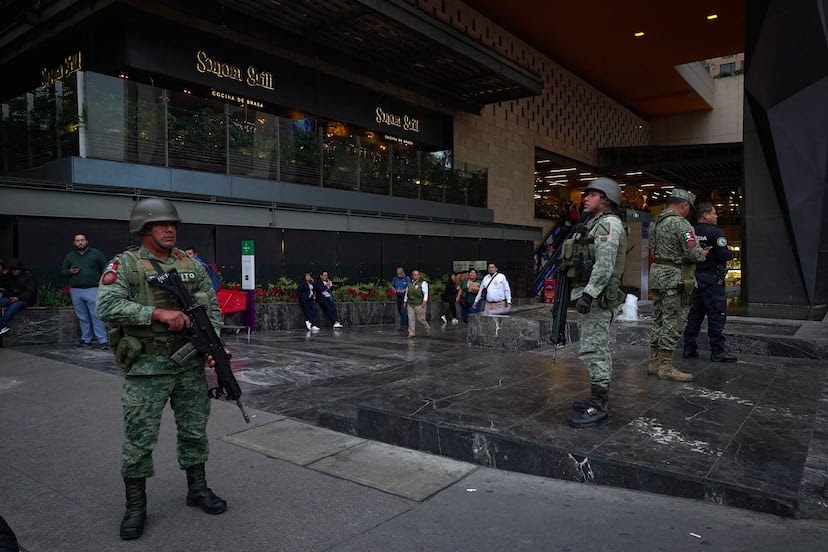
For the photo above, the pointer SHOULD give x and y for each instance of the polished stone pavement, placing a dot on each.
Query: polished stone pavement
(751, 434)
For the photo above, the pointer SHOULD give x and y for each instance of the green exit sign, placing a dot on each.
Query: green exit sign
(247, 247)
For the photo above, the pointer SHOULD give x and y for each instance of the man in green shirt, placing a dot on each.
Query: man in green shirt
(83, 267)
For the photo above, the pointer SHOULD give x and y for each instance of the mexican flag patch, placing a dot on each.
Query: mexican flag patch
(689, 240)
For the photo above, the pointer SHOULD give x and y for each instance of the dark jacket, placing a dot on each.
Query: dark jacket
(450, 292)
(320, 289)
(305, 293)
(23, 286)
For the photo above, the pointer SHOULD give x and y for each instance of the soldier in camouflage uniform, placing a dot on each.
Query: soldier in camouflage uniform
(148, 330)
(596, 264)
(675, 253)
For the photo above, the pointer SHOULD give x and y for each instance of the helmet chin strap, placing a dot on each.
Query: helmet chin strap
(158, 244)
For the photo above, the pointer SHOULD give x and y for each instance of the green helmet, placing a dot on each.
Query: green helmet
(151, 210)
(608, 186)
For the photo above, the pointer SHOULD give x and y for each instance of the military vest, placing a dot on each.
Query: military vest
(139, 272)
(415, 293)
(578, 252)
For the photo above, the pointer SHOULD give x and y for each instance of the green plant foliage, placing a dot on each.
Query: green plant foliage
(50, 296)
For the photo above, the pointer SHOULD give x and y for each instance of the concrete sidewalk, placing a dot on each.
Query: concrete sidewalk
(297, 487)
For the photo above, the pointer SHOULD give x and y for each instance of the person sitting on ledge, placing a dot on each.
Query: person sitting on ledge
(324, 298)
(20, 292)
(305, 294)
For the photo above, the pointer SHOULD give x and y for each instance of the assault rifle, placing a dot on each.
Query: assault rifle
(202, 336)
(563, 289)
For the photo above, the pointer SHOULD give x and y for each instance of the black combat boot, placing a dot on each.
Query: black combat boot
(595, 411)
(132, 526)
(200, 495)
(722, 357)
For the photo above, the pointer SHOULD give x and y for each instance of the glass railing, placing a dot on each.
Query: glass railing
(136, 122)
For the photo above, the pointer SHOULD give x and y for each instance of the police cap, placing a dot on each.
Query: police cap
(151, 210)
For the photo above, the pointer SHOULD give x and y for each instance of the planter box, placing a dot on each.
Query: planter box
(288, 316)
(43, 325)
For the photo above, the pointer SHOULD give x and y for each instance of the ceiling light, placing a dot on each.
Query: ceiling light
(636, 173)
(562, 170)
(667, 187)
(646, 185)
(584, 174)
(543, 161)
(639, 34)
(713, 16)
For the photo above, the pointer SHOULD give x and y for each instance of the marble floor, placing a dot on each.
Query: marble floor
(750, 434)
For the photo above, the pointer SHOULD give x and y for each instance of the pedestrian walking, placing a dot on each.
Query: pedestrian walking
(416, 302)
(595, 260)
(469, 287)
(675, 252)
(450, 298)
(495, 292)
(83, 267)
(400, 285)
(149, 331)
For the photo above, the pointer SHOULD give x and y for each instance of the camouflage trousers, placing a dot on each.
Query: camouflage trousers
(143, 402)
(594, 349)
(669, 319)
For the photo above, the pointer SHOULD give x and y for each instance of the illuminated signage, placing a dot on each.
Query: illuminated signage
(71, 64)
(404, 122)
(251, 77)
(241, 100)
(398, 140)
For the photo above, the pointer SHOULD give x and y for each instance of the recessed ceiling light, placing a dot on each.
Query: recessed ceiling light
(713, 16)
(639, 34)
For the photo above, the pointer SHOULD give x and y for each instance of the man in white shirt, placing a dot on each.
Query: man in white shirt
(494, 290)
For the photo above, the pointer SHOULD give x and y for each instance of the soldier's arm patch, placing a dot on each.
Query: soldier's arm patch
(721, 241)
(689, 240)
(110, 274)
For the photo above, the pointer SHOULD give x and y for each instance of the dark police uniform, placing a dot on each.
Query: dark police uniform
(709, 298)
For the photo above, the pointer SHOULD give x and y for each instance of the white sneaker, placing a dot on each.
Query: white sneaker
(308, 324)
(337, 325)
(4, 329)
(454, 322)
(443, 318)
(314, 328)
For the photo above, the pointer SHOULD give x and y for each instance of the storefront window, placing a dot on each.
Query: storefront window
(299, 148)
(339, 153)
(197, 133)
(134, 121)
(125, 120)
(40, 126)
(253, 139)
(405, 169)
(373, 166)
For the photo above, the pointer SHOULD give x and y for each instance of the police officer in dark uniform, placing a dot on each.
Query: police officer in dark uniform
(709, 297)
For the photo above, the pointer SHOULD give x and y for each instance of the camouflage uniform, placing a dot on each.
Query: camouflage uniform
(605, 245)
(126, 300)
(675, 252)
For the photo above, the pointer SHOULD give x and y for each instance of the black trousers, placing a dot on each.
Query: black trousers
(710, 300)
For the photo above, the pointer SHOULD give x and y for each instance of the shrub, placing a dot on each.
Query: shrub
(50, 296)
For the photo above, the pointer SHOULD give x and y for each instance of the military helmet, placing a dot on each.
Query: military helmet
(151, 210)
(678, 193)
(608, 186)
